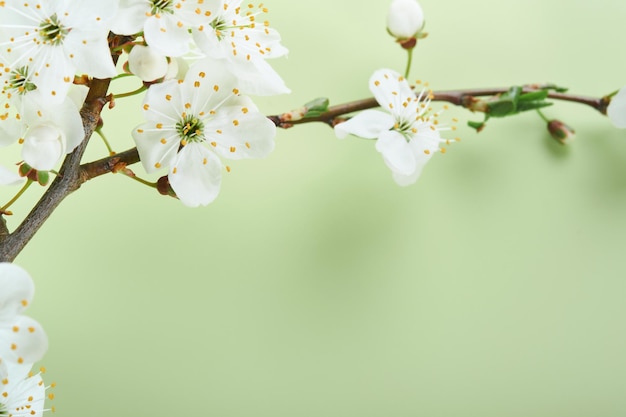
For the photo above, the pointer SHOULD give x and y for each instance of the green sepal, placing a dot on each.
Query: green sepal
(42, 177)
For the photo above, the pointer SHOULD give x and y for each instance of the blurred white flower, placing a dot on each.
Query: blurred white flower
(22, 340)
(52, 40)
(164, 23)
(239, 37)
(407, 134)
(617, 109)
(8, 177)
(191, 122)
(405, 18)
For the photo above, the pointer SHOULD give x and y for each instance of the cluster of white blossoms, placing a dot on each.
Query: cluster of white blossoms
(46, 45)
(22, 342)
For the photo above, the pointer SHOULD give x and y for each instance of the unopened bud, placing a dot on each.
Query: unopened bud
(164, 187)
(405, 19)
(147, 64)
(560, 131)
(44, 145)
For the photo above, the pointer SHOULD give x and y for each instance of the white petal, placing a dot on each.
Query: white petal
(390, 90)
(368, 124)
(131, 17)
(617, 109)
(8, 177)
(146, 63)
(164, 35)
(54, 73)
(44, 145)
(397, 152)
(91, 53)
(244, 132)
(257, 77)
(157, 147)
(24, 341)
(163, 102)
(208, 83)
(196, 175)
(17, 292)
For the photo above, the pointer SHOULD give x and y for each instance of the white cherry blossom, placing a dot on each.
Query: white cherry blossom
(239, 36)
(164, 23)
(194, 122)
(408, 133)
(53, 40)
(22, 340)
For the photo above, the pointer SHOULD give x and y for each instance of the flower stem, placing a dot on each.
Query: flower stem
(132, 175)
(132, 93)
(16, 197)
(106, 142)
(408, 63)
(543, 116)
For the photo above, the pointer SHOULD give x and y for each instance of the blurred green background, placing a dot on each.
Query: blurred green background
(314, 286)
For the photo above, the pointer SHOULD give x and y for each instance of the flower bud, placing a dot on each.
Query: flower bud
(617, 109)
(147, 64)
(164, 187)
(44, 145)
(560, 131)
(405, 19)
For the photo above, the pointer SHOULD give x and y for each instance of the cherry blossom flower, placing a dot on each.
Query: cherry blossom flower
(53, 40)
(22, 395)
(239, 37)
(193, 121)
(22, 340)
(164, 23)
(617, 109)
(408, 134)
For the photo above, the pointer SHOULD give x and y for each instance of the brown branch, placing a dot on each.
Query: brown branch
(72, 174)
(463, 98)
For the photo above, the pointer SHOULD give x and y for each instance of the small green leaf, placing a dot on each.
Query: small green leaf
(316, 107)
(502, 107)
(533, 105)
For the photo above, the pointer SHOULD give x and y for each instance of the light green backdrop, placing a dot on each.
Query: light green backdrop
(314, 286)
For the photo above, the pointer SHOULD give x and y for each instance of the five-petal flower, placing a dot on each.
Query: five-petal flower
(55, 39)
(237, 36)
(193, 121)
(164, 23)
(408, 133)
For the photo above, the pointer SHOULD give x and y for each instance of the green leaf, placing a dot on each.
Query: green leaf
(316, 107)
